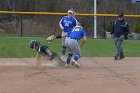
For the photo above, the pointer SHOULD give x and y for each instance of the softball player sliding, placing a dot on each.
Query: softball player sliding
(71, 43)
(66, 24)
(43, 50)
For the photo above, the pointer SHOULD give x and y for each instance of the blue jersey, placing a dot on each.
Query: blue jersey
(68, 23)
(77, 33)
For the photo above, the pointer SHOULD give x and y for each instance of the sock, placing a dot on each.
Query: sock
(77, 57)
(63, 50)
(69, 58)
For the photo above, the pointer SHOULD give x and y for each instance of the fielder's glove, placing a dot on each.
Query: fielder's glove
(51, 38)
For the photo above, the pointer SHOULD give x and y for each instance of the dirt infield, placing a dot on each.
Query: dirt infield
(96, 75)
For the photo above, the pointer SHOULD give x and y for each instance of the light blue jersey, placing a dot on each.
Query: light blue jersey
(77, 33)
(68, 23)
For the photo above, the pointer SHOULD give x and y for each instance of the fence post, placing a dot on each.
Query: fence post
(21, 25)
(104, 27)
(95, 19)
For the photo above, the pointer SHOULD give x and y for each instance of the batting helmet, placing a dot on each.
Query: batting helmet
(33, 43)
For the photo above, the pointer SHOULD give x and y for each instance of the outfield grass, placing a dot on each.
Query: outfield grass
(19, 47)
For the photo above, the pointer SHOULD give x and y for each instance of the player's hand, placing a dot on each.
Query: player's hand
(62, 28)
(122, 37)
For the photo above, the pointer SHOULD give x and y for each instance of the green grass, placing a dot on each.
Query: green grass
(18, 47)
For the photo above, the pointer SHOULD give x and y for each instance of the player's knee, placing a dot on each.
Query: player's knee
(79, 55)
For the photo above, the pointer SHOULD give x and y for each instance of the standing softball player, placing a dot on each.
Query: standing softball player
(71, 43)
(66, 24)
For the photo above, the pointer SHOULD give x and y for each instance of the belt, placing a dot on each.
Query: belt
(73, 38)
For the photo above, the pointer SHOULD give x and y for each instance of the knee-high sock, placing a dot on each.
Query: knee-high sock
(63, 50)
(69, 57)
(76, 57)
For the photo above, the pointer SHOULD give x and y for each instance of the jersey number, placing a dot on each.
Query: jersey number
(66, 24)
(75, 30)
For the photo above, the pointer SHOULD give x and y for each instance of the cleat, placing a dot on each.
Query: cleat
(75, 63)
(67, 65)
(122, 57)
(115, 58)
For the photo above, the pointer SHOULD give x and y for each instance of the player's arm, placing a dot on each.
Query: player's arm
(83, 41)
(60, 24)
(50, 54)
(112, 30)
(76, 22)
(61, 36)
(49, 51)
(126, 31)
(38, 57)
(52, 37)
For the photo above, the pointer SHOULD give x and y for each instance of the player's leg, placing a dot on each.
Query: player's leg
(57, 60)
(117, 51)
(70, 49)
(70, 54)
(77, 51)
(38, 60)
(63, 45)
(54, 56)
(121, 53)
(118, 48)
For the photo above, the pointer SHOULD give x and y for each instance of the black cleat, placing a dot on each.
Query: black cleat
(115, 58)
(122, 57)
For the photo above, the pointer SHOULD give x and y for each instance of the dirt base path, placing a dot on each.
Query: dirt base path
(96, 75)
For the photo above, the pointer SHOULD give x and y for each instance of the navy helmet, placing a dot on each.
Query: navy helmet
(121, 14)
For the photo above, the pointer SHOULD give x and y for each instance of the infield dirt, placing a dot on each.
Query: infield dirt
(96, 75)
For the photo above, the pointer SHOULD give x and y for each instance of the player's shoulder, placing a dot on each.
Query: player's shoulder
(115, 21)
(43, 46)
(64, 17)
(83, 30)
(74, 18)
